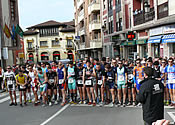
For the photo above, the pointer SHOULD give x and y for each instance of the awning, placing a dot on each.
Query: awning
(44, 55)
(155, 39)
(30, 55)
(56, 54)
(141, 41)
(168, 38)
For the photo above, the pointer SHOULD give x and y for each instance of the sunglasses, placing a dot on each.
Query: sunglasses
(163, 62)
(8, 68)
(119, 63)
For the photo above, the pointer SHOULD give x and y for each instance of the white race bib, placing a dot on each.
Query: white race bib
(51, 80)
(80, 82)
(172, 81)
(61, 81)
(9, 82)
(70, 80)
(88, 82)
(100, 82)
(121, 78)
(130, 76)
(22, 87)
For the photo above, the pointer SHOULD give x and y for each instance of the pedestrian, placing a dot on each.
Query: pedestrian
(1, 77)
(151, 95)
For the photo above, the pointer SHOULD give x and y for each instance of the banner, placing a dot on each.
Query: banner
(7, 31)
(19, 30)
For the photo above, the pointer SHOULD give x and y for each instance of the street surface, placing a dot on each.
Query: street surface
(71, 114)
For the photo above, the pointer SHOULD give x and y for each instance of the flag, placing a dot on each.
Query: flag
(13, 32)
(19, 30)
(7, 31)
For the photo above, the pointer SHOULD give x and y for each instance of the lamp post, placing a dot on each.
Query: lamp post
(146, 7)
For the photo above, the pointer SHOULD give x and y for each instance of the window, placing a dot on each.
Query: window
(13, 9)
(43, 43)
(55, 43)
(69, 43)
(49, 32)
(30, 45)
(163, 10)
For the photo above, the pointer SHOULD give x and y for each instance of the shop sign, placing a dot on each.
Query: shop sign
(142, 41)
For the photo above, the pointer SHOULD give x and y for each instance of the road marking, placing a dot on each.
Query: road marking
(7, 98)
(56, 114)
(18, 100)
(171, 114)
(4, 94)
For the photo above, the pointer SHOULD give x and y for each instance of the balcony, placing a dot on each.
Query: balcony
(30, 49)
(82, 31)
(81, 15)
(79, 3)
(96, 43)
(82, 45)
(143, 17)
(70, 47)
(93, 7)
(94, 25)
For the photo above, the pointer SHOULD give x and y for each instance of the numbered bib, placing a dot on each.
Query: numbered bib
(100, 82)
(121, 78)
(61, 81)
(88, 82)
(51, 80)
(139, 80)
(10, 82)
(71, 80)
(22, 87)
(80, 82)
(130, 76)
(172, 81)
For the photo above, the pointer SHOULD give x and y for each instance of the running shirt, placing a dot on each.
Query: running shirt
(130, 73)
(71, 71)
(41, 77)
(114, 68)
(44, 69)
(100, 75)
(54, 68)
(60, 73)
(170, 70)
(162, 70)
(21, 79)
(32, 76)
(156, 72)
(138, 72)
(88, 73)
(110, 75)
(121, 78)
(79, 73)
(9, 77)
(51, 76)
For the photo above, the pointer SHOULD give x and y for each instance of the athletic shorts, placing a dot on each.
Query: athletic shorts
(21, 89)
(170, 86)
(72, 86)
(50, 86)
(137, 85)
(79, 85)
(130, 85)
(121, 86)
(110, 85)
(91, 85)
(11, 87)
(43, 88)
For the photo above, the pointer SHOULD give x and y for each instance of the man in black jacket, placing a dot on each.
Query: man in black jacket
(151, 95)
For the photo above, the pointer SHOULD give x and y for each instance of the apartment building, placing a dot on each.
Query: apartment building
(50, 41)
(88, 28)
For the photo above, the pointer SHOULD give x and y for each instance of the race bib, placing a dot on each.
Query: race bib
(61, 81)
(9, 82)
(172, 81)
(100, 82)
(51, 80)
(88, 82)
(70, 80)
(121, 78)
(80, 82)
(130, 76)
(22, 87)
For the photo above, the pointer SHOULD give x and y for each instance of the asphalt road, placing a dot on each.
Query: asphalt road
(71, 114)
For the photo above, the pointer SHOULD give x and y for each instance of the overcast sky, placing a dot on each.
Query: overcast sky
(33, 12)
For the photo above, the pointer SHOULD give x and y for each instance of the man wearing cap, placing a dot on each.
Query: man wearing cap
(151, 95)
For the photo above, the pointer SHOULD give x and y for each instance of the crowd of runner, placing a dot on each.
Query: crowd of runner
(87, 81)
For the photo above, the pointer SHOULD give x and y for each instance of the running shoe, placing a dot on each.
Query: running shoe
(30, 101)
(139, 105)
(11, 104)
(21, 105)
(50, 104)
(124, 105)
(56, 102)
(119, 104)
(94, 104)
(44, 105)
(15, 104)
(134, 104)
(98, 100)
(90, 103)
(111, 104)
(101, 104)
(129, 103)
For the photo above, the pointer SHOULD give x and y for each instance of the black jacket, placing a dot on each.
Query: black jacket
(157, 73)
(151, 95)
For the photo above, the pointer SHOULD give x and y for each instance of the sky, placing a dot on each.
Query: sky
(32, 12)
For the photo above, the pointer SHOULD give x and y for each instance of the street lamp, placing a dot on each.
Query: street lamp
(146, 7)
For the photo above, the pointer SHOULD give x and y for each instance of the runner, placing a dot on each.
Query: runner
(51, 78)
(61, 72)
(21, 80)
(32, 79)
(170, 77)
(9, 78)
(72, 82)
(41, 79)
(121, 80)
(80, 83)
(100, 83)
(88, 74)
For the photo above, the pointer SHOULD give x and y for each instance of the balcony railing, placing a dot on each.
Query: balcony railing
(30, 49)
(142, 17)
(96, 43)
(93, 6)
(162, 14)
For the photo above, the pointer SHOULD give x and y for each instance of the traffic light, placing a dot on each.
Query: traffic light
(130, 36)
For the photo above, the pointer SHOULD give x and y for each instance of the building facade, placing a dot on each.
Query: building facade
(152, 21)
(50, 41)
(88, 28)
(9, 16)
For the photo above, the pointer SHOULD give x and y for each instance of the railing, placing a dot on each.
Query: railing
(81, 12)
(95, 21)
(30, 49)
(141, 17)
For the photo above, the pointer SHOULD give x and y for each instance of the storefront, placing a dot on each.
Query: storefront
(142, 49)
(44, 56)
(56, 55)
(31, 58)
(154, 46)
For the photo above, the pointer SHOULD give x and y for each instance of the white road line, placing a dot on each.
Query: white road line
(7, 98)
(4, 94)
(171, 114)
(56, 114)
